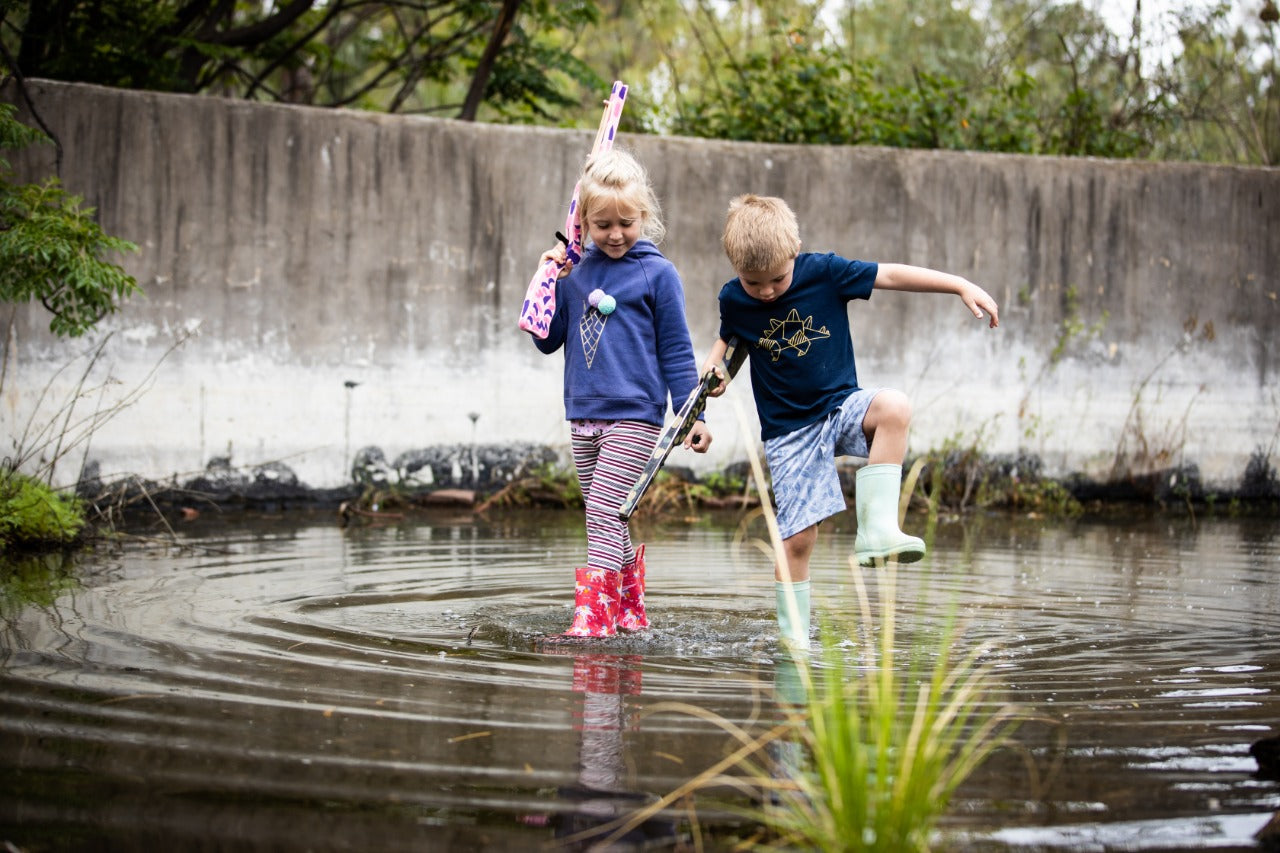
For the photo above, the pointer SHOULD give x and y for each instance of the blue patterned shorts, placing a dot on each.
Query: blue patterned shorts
(802, 464)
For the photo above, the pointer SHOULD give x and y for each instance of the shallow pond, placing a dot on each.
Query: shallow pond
(289, 684)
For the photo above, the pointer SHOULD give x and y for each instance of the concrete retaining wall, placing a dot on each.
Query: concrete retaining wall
(320, 281)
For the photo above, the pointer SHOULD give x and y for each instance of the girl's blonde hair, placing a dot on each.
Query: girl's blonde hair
(617, 176)
(760, 233)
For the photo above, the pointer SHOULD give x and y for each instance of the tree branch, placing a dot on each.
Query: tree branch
(31, 104)
(439, 53)
(484, 68)
(301, 42)
(264, 30)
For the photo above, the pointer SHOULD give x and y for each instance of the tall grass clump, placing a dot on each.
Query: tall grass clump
(872, 744)
(887, 735)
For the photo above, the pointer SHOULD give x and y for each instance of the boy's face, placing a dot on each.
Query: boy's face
(768, 285)
(615, 228)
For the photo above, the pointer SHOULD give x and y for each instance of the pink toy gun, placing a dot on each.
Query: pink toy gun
(540, 300)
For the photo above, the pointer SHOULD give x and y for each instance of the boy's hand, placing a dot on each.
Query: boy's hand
(715, 359)
(716, 388)
(699, 438)
(979, 300)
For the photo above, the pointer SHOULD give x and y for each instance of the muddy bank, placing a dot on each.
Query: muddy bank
(534, 475)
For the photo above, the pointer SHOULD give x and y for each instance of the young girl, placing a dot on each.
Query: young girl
(627, 351)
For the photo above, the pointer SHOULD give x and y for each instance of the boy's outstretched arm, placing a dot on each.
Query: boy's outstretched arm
(714, 359)
(925, 280)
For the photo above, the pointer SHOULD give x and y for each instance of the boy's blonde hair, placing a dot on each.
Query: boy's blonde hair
(760, 233)
(615, 175)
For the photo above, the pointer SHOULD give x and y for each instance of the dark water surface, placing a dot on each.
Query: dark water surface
(286, 684)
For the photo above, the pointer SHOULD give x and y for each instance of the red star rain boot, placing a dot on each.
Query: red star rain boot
(631, 615)
(595, 603)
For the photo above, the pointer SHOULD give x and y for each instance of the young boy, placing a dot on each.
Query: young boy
(791, 310)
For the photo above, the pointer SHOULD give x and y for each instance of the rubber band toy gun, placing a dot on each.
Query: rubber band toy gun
(540, 299)
(680, 425)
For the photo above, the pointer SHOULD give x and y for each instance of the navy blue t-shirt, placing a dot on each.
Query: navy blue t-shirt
(801, 350)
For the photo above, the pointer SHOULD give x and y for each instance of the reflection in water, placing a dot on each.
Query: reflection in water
(290, 685)
(35, 580)
(601, 799)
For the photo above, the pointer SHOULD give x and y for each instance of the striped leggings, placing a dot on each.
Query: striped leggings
(608, 466)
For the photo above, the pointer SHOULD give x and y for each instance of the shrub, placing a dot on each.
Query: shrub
(33, 514)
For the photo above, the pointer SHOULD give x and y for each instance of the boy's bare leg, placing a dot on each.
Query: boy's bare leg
(798, 549)
(886, 425)
(791, 587)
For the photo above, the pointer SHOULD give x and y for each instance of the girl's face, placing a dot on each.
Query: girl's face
(615, 227)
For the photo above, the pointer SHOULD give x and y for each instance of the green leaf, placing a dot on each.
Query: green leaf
(53, 250)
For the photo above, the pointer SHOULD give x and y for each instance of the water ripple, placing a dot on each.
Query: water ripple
(390, 688)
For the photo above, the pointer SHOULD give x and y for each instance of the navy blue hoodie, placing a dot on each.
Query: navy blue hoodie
(629, 364)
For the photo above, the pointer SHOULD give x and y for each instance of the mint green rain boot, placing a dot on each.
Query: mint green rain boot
(793, 630)
(876, 490)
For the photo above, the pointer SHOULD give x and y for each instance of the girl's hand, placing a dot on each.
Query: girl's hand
(699, 438)
(558, 254)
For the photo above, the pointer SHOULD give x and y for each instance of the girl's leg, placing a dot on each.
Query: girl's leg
(595, 598)
(621, 454)
(630, 447)
(586, 450)
(586, 454)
